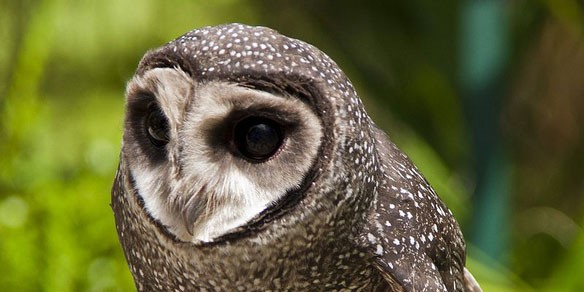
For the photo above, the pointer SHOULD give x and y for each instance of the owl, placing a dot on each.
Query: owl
(248, 163)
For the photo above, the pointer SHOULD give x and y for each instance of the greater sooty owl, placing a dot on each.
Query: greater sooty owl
(248, 163)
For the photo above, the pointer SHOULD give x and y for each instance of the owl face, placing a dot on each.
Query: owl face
(230, 151)
(232, 129)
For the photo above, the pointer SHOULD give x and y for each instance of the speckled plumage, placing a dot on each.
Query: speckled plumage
(362, 218)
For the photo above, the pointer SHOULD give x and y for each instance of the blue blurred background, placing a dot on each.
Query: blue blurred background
(487, 98)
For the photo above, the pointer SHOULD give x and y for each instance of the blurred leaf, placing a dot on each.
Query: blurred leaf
(568, 276)
(491, 275)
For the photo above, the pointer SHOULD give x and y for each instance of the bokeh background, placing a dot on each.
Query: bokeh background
(487, 97)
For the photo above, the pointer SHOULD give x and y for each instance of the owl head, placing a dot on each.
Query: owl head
(230, 127)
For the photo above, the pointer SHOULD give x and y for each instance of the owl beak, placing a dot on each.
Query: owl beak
(193, 210)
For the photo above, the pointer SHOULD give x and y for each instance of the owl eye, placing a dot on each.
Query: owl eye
(157, 127)
(258, 138)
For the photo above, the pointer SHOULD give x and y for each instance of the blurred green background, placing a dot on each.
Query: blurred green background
(487, 97)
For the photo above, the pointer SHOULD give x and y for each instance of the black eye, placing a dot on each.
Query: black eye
(157, 127)
(258, 138)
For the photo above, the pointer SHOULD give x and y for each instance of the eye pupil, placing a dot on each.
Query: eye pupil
(157, 128)
(258, 138)
(262, 139)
